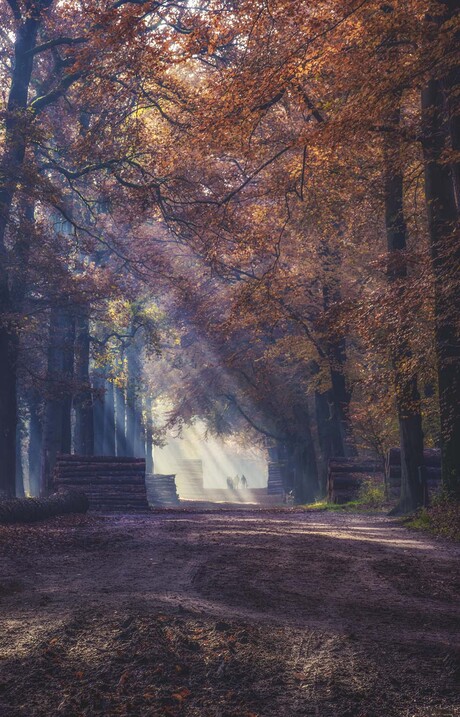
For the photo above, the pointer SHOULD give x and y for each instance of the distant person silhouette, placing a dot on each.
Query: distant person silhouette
(236, 482)
(230, 485)
(244, 482)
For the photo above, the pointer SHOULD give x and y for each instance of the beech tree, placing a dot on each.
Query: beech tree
(254, 172)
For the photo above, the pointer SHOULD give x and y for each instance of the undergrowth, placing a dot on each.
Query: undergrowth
(442, 518)
(371, 497)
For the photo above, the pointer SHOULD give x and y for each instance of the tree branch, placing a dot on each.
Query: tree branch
(252, 423)
(55, 43)
(16, 10)
(40, 103)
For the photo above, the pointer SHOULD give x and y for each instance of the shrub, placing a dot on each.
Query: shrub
(371, 493)
(442, 518)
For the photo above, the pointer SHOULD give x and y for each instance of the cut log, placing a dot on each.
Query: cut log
(355, 465)
(101, 468)
(102, 480)
(431, 473)
(28, 510)
(431, 457)
(65, 458)
(346, 476)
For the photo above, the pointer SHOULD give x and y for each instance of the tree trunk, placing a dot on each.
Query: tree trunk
(15, 142)
(20, 493)
(68, 356)
(149, 435)
(330, 437)
(83, 401)
(337, 357)
(120, 404)
(407, 395)
(58, 388)
(443, 219)
(304, 465)
(35, 442)
(451, 91)
(109, 420)
(139, 443)
(99, 413)
(133, 428)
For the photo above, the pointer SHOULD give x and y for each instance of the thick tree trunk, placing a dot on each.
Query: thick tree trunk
(99, 413)
(341, 397)
(133, 427)
(109, 448)
(120, 412)
(451, 91)
(58, 388)
(20, 493)
(35, 442)
(337, 357)
(139, 444)
(443, 220)
(148, 435)
(15, 143)
(8, 409)
(407, 395)
(68, 356)
(83, 401)
(303, 456)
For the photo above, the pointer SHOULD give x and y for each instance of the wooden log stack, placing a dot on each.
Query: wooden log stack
(345, 477)
(431, 471)
(189, 479)
(161, 489)
(275, 479)
(111, 483)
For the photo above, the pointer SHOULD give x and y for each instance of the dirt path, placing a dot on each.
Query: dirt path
(227, 614)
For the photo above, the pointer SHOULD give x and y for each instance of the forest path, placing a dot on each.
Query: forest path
(227, 614)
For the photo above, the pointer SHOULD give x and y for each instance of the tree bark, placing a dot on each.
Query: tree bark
(99, 413)
(20, 492)
(133, 428)
(407, 395)
(58, 388)
(337, 357)
(443, 221)
(83, 401)
(120, 412)
(149, 435)
(15, 143)
(303, 456)
(109, 420)
(35, 442)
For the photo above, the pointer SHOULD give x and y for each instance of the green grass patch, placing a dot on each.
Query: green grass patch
(324, 505)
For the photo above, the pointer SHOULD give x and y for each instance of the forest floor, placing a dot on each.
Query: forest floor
(228, 614)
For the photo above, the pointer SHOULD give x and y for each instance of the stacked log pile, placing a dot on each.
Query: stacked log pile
(161, 489)
(346, 475)
(189, 479)
(431, 471)
(275, 479)
(111, 484)
(28, 510)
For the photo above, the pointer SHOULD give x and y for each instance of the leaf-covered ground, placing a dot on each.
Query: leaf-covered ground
(227, 614)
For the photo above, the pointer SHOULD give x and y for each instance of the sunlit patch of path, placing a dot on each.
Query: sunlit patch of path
(346, 609)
